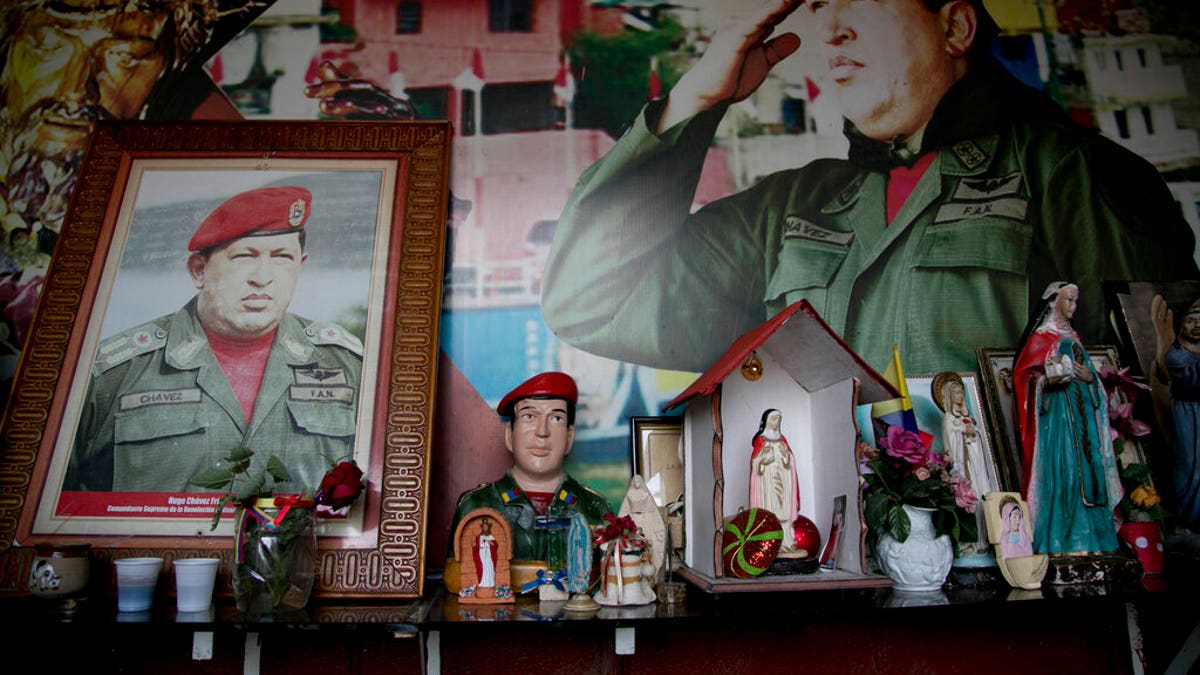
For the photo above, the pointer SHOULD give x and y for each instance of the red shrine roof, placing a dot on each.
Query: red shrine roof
(806, 347)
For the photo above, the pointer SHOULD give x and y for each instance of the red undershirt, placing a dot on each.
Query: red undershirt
(541, 501)
(901, 181)
(244, 364)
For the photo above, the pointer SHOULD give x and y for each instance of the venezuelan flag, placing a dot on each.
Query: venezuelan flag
(897, 411)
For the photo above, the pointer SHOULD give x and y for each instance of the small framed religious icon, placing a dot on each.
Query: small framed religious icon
(483, 548)
(1008, 528)
(829, 555)
(657, 458)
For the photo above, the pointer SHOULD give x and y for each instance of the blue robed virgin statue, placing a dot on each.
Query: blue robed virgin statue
(1069, 471)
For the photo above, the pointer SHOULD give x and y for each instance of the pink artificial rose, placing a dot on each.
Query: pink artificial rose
(964, 494)
(922, 473)
(939, 460)
(904, 444)
(1123, 422)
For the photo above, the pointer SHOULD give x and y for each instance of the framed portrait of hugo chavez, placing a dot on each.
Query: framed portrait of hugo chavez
(230, 286)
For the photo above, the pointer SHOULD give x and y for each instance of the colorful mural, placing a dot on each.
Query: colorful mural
(537, 91)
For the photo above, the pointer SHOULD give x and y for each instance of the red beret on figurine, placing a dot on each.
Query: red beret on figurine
(261, 212)
(543, 385)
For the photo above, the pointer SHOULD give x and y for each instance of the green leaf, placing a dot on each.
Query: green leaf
(216, 518)
(214, 479)
(875, 510)
(251, 488)
(898, 524)
(947, 522)
(239, 454)
(277, 470)
(1136, 473)
(970, 528)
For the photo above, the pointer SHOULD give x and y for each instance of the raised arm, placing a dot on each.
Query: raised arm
(1163, 320)
(735, 63)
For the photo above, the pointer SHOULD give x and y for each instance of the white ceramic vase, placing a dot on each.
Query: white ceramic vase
(921, 562)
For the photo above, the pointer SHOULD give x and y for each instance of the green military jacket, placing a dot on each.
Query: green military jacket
(505, 496)
(160, 410)
(1018, 196)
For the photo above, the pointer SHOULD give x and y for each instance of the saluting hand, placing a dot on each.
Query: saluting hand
(735, 63)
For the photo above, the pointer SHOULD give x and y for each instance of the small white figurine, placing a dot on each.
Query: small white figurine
(963, 442)
(639, 504)
(773, 482)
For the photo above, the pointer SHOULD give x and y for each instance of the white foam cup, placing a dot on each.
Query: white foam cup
(194, 580)
(136, 578)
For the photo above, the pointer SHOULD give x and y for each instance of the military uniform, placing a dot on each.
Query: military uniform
(505, 496)
(1017, 196)
(160, 409)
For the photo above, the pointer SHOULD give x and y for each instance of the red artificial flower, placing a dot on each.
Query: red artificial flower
(617, 528)
(341, 486)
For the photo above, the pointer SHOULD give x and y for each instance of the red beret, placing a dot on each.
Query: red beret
(544, 385)
(265, 211)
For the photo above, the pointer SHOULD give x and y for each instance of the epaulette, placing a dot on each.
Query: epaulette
(324, 333)
(124, 346)
(468, 494)
(593, 492)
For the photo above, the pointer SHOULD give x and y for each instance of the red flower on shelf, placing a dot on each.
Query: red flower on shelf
(339, 488)
(621, 529)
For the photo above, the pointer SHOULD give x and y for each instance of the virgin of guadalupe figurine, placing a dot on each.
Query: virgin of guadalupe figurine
(1069, 472)
(963, 444)
(579, 554)
(773, 482)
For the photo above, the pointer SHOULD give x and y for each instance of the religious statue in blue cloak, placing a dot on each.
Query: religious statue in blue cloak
(1069, 471)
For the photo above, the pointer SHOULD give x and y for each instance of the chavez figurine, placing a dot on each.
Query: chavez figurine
(539, 432)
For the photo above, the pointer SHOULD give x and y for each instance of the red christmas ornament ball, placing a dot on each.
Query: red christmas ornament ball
(807, 536)
(750, 542)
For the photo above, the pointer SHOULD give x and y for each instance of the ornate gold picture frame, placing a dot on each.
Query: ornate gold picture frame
(394, 176)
